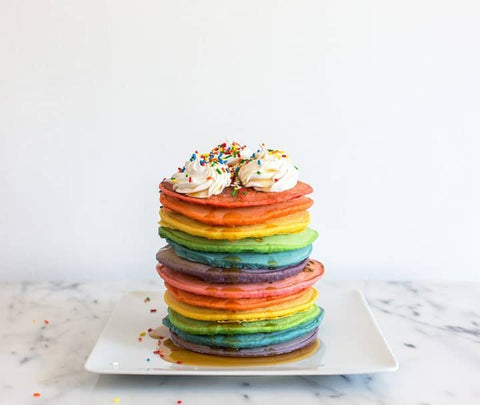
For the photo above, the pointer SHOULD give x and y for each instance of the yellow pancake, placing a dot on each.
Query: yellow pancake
(302, 303)
(287, 224)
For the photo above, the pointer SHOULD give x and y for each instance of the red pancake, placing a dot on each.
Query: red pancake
(225, 216)
(239, 304)
(245, 197)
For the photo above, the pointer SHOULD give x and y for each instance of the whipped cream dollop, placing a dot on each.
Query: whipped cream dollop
(269, 171)
(233, 164)
(201, 177)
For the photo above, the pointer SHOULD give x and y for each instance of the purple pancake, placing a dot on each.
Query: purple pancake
(217, 275)
(272, 350)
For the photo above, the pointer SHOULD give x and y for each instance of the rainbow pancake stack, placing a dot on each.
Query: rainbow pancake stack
(237, 270)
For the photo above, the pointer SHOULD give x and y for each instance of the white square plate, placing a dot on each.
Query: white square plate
(351, 342)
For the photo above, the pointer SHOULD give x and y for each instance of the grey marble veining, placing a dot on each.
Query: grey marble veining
(433, 329)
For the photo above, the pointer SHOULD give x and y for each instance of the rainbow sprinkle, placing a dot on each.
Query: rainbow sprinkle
(218, 158)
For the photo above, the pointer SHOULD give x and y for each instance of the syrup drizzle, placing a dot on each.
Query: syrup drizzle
(171, 353)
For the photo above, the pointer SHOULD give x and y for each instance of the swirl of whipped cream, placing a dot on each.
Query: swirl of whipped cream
(268, 171)
(200, 178)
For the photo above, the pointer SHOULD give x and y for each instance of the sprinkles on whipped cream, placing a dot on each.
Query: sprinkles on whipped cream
(229, 164)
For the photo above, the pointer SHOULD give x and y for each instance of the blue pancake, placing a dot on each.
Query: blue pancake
(244, 260)
(169, 258)
(262, 351)
(246, 341)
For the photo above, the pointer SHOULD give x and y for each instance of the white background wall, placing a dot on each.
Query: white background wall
(377, 102)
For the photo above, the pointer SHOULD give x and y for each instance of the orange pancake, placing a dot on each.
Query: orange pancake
(238, 304)
(235, 216)
(244, 197)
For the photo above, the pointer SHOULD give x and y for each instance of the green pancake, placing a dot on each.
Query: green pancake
(246, 341)
(196, 327)
(267, 244)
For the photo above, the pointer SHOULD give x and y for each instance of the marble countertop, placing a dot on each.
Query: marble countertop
(433, 329)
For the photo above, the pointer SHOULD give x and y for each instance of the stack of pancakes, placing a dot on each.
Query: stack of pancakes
(237, 271)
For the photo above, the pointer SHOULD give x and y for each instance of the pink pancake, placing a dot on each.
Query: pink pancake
(312, 272)
(241, 304)
(243, 198)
